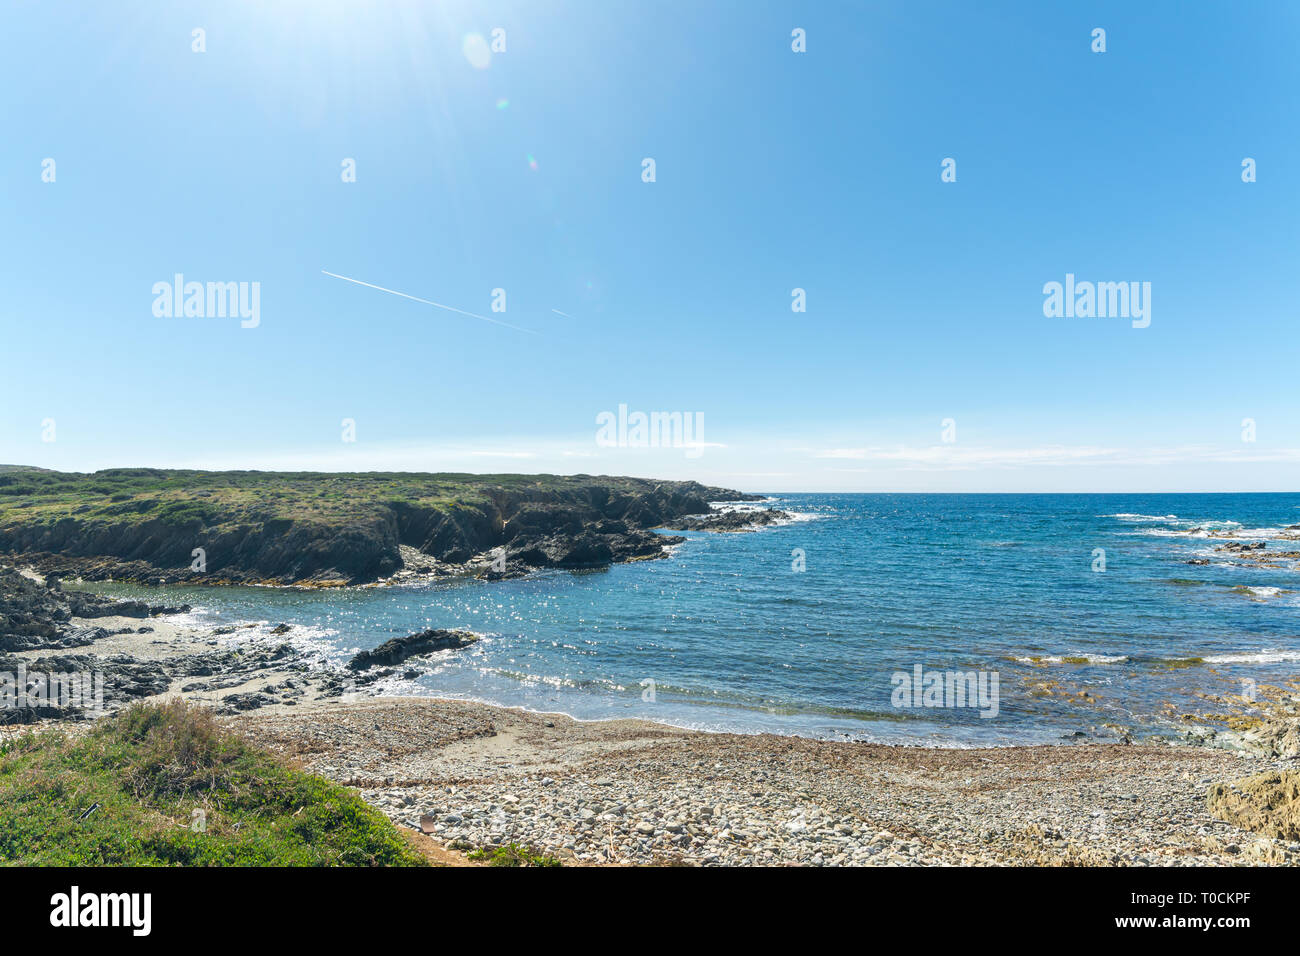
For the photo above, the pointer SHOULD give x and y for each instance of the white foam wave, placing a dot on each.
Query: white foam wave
(1126, 516)
(1259, 591)
(1061, 658)
(1275, 656)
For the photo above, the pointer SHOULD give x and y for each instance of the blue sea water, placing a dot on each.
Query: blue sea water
(735, 638)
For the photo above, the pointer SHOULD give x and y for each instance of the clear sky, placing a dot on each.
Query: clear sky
(774, 170)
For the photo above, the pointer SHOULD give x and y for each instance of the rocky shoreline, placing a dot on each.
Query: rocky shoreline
(153, 526)
(468, 776)
(134, 653)
(140, 655)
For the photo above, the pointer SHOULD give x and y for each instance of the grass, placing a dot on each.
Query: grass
(179, 497)
(33, 496)
(312, 528)
(169, 787)
(513, 854)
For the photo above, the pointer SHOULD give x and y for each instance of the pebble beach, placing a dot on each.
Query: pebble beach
(464, 778)
(637, 793)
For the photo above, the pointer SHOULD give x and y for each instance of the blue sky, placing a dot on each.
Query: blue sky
(775, 170)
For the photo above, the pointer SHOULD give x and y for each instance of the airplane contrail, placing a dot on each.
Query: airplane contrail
(439, 305)
(565, 314)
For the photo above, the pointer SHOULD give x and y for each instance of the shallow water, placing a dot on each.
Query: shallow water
(735, 638)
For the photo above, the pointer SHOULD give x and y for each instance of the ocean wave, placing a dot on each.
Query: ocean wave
(1257, 591)
(728, 506)
(1126, 516)
(750, 507)
(796, 517)
(1224, 530)
(1274, 656)
(1073, 659)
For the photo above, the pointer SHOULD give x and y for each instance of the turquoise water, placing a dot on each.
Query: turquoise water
(734, 638)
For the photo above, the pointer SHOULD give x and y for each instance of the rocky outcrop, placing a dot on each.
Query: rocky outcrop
(737, 520)
(117, 680)
(36, 616)
(62, 682)
(1267, 803)
(391, 653)
(283, 536)
(273, 551)
(1257, 554)
(1273, 737)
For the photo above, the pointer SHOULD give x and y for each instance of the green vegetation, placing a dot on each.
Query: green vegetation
(316, 527)
(513, 854)
(179, 496)
(36, 496)
(169, 787)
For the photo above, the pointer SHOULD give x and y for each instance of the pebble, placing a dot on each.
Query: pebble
(642, 794)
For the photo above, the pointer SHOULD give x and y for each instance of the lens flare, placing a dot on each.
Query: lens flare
(477, 51)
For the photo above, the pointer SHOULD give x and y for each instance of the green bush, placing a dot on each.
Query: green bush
(149, 769)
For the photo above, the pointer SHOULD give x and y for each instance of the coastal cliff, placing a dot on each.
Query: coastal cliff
(332, 529)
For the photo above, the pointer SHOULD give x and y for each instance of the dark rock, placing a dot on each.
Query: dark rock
(158, 609)
(491, 574)
(1242, 546)
(35, 616)
(234, 703)
(586, 550)
(81, 604)
(372, 677)
(400, 648)
(736, 520)
(122, 679)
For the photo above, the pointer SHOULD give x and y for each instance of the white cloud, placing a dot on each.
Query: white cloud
(957, 457)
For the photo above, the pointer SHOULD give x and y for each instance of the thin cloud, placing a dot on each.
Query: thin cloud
(964, 457)
(438, 305)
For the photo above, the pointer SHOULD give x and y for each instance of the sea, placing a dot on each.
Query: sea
(926, 619)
